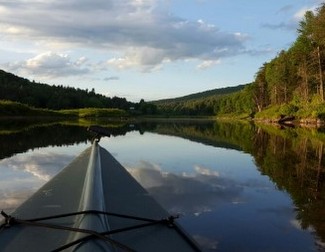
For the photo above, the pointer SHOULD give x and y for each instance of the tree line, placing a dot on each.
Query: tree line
(296, 75)
(39, 95)
(206, 103)
(59, 97)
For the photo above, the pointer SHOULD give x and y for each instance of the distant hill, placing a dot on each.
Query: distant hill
(38, 95)
(202, 95)
(205, 103)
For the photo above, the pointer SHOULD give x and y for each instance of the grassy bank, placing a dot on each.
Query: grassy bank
(15, 109)
(308, 113)
(95, 113)
(311, 113)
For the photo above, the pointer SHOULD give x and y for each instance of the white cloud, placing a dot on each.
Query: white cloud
(141, 34)
(206, 171)
(50, 64)
(207, 64)
(146, 57)
(301, 13)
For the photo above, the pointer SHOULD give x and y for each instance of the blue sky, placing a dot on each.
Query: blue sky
(150, 49)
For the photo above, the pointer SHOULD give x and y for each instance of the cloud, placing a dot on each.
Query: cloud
(293, 22)
(301, 13)
(138, 32)
(285, 8)
(281, 26)
(206, 243)
(111, 78)
(50, 64)
(12, 199)
(42, 166)
(33, 171)
(191, 193)
(207, 64)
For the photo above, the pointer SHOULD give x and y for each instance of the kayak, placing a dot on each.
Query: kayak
(93, 204)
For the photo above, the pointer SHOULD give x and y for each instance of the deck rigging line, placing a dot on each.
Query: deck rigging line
(90, 234)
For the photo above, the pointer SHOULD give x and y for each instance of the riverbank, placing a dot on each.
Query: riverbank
(9, 109)
(311, 116)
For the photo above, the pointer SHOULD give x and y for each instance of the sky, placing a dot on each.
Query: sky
(145, 49)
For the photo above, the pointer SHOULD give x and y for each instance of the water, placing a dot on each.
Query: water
(234, 191)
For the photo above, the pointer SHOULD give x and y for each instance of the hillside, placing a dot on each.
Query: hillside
(199, 104)
(38, 95)
(201, 95)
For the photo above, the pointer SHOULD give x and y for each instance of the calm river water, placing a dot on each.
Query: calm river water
(238, 187)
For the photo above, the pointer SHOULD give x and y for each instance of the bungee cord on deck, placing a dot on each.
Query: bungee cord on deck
(90, 234)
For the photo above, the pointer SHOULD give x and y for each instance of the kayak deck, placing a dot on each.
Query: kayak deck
(114, 212)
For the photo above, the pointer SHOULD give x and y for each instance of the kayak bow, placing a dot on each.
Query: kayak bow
(93, 204)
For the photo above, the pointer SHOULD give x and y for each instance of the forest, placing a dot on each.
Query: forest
(39, 95)
(295, 77)
(43, 96)
(199, 104)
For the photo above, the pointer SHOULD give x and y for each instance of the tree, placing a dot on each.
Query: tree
(300, 52)
(259, 89)
(312, 28)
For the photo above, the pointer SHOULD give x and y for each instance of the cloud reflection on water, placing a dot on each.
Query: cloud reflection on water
(194, 192)
(43, 165)
(23, 174)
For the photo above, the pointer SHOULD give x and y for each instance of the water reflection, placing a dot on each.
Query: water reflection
(23, 174)
(42, 165)
(240, 187)
(188, 193)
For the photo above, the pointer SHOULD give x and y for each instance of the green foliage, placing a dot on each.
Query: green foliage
(319, 112)
(239, 103)
(95, 113)
(38, 95)
(201, 95)
(294, 79)
(201, 104)
(277, 111)
(272, 112)
(288, 109)
(44, 96)
(9, 108)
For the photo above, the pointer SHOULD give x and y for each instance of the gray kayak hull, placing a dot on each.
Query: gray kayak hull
(95, 180)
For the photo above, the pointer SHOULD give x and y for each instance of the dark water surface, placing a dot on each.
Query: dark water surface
(238, 187)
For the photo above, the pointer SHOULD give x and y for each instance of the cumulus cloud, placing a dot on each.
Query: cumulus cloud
(50, 64)
(140, 32)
